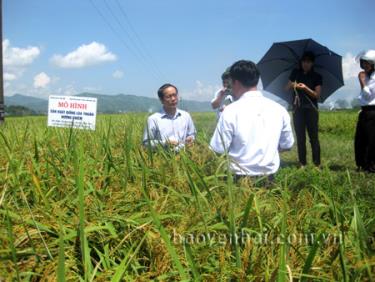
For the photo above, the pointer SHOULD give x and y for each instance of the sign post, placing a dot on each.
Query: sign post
(72, 111)
(2, 104)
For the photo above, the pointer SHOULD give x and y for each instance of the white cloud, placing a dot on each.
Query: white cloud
(201, 92)
(41, 80)
(350, 91)
(118, 74)
(17, 59)
(85, 55)
(350, 67)
(9, 76)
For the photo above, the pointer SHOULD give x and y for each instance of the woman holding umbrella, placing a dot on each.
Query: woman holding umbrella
(365, 132)
(306, 84)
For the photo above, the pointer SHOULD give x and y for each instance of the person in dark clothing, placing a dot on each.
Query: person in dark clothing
(306, 85)
(364, 143)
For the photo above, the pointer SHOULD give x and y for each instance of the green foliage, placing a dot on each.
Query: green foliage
(18, 111)
(98, 206)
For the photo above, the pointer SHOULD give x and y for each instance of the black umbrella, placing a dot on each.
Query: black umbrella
(277, 64)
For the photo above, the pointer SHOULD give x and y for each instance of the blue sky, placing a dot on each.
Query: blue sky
(65, 47)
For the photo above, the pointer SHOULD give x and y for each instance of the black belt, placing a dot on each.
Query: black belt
(368, 108)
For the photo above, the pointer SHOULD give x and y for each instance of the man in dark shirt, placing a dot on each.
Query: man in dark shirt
(306, 84)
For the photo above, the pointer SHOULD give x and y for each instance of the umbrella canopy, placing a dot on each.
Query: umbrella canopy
(279, 61)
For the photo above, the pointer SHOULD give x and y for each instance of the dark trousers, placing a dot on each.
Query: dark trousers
(307, 119)
(364, 142)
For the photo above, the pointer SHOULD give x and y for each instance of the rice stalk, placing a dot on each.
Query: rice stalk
(11, 242)
(359, 232)
(84, 247)
(282, 269)
(171, 250)
(61, 259)
(127, 260)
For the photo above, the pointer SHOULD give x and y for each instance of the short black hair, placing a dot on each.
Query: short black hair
(163, 87)
(308, 55)
(225, 75)
(246, 72)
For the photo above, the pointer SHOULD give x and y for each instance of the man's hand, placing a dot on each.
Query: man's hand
(189, 140)
(172, 142)
(312, 93)
(223, 92)
(216, 103)
(301, 86)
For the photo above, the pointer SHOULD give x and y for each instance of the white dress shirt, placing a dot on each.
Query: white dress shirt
(367, 95)
(252, 130)
(162, 128)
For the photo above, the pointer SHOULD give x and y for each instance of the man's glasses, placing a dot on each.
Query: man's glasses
(170, 96)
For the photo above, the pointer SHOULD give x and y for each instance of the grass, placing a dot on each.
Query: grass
(97, 206)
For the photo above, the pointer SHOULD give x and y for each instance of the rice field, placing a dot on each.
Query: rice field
(97, 206)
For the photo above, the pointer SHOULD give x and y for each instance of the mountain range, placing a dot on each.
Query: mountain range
(109, 103)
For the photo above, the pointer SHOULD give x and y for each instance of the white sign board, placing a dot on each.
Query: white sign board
(72, 111)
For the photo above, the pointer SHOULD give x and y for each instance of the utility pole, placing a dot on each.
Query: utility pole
(2, 106)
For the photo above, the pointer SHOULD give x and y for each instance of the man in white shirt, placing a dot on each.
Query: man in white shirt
(171, 126)
(253, 129)
(364, 143)
(223, 96)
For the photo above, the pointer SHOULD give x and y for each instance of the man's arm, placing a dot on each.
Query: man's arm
(286, 137)
(150, 135)
(362, 79)
(191, 132)
(222, 137)
(219, 96)
(367, 91)
(312, 93)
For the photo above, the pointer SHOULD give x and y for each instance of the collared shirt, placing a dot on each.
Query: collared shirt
(252, 130)
(367, 95)
(224, 102)
(162, 127)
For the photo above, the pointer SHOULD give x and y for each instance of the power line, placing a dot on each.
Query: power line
(134, 53)
(136, 45)
(138, 37)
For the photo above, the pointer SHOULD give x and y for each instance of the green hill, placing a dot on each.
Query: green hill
(120, 103)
